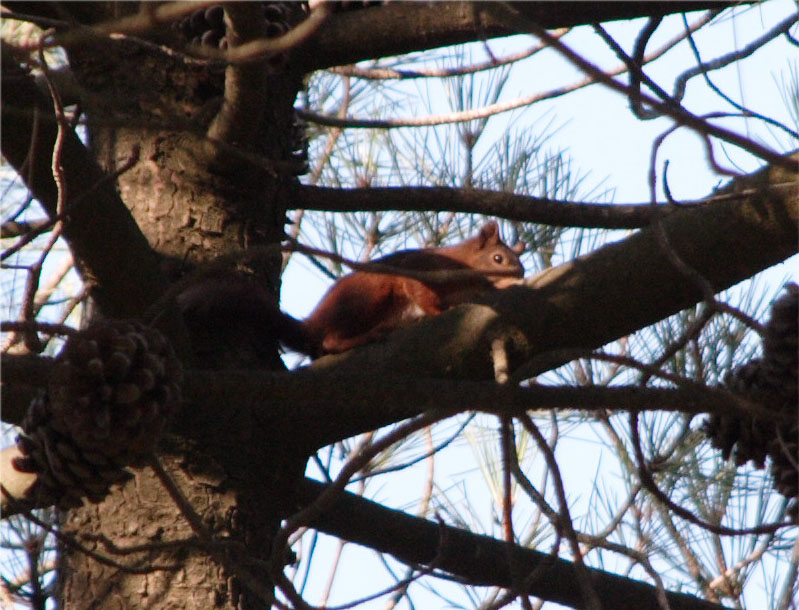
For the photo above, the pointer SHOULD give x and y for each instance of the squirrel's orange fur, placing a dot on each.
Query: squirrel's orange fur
(364, 306)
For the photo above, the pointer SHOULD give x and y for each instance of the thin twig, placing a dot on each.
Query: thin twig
(353, 465)
(704, 67)
(650, 485)
(590, 596)
(441, 276)
(518, 22)
(708, 294)
(486, 111)
(401, 74)
(186, 509)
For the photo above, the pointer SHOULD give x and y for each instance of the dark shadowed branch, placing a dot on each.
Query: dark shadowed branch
(479, 560)
(490, 203)
(403, 27)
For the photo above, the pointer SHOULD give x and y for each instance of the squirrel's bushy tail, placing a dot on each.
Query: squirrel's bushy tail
(231, 309)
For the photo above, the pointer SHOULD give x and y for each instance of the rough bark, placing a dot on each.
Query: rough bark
(198, 192)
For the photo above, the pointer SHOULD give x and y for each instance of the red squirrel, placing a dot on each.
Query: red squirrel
(364, 306)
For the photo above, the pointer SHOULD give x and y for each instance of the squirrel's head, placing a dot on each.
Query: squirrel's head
(494, 255)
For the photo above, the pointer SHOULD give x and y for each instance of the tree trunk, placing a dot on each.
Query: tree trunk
(195, 200)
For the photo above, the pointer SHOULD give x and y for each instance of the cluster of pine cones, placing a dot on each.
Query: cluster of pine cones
(770, 381)
(206, 27)
(111, 393)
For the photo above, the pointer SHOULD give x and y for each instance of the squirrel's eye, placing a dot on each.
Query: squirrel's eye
(498, 258)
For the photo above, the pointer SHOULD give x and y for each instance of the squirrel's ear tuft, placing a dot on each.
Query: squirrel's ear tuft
(489, 233)
(518, 247)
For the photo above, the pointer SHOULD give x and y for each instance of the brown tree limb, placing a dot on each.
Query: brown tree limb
(294, 401)
(490, 203)
(480, 560)
(403, 27)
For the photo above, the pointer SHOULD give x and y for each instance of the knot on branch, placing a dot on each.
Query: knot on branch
(771, 381)
(110, 395)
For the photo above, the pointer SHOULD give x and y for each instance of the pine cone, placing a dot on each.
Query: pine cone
(110, 395)
(772, 382)
(781, 345)
(781, 369)
(66, 473)
(206, 26)
(743, 438)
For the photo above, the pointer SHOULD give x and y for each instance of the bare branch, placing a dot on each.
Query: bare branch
(480, 560)
(393, 73)
(565, 522)
(478, 201)
(703, 68)
(13, 228)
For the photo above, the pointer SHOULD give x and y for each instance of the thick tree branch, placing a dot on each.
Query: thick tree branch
(294, 401)
(105, 240)
(480, 560)
(491, 203)
(403, 27)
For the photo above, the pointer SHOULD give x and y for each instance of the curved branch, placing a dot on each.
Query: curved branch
(484, 111)
(490, 203)
(480, 560)
(677, 113)
(681, 81)
(380, 73)
(245, 84)
(107, 245)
